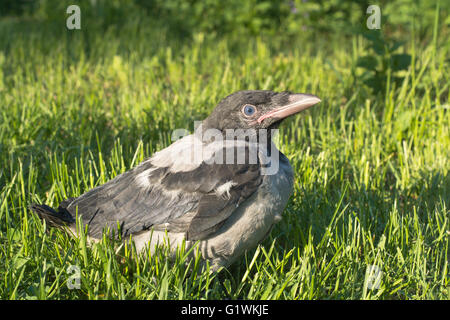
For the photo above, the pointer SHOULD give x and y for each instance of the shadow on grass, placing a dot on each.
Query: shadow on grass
(312, 211)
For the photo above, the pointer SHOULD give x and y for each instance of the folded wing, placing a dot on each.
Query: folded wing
(197, 201)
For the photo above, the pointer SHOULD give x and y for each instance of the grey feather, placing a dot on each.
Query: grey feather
(184, 200)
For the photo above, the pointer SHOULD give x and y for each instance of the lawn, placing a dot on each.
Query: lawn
(371, 162)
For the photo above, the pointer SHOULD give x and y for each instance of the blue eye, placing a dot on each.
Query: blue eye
(249, 110)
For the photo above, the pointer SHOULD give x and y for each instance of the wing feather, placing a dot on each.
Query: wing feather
(180, 201)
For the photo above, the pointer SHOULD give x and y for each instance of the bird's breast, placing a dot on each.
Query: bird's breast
(253, 220)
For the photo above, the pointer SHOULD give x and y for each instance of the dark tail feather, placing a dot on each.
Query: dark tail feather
(54, 218)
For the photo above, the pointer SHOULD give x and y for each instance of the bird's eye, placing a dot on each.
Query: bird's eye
(248, 110)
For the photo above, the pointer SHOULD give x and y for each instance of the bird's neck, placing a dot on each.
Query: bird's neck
(259, 136)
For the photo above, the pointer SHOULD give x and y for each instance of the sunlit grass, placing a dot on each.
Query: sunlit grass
(371, 169)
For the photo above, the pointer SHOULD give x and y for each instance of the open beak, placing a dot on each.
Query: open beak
(296, 102)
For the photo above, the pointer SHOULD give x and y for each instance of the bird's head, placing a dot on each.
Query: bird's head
(257, 109)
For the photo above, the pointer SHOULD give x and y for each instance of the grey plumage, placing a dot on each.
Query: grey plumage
(204, 200)
(169, 196)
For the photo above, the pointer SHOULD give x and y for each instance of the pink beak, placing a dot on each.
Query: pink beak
(297, 102)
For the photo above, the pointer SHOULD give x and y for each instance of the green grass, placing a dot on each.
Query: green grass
(371, 169)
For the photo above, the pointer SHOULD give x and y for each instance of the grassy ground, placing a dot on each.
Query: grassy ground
(371, 168)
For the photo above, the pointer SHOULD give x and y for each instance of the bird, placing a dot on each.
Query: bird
(221, 188)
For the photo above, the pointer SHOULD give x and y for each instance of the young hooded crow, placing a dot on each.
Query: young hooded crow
(222, 187)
